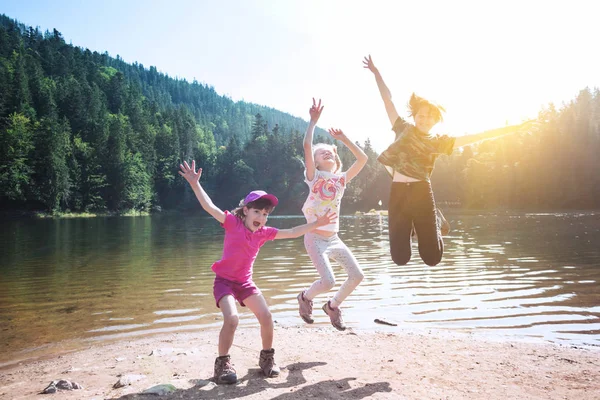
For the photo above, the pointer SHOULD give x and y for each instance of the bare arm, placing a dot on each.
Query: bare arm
(385, 93)
(193, 179)
(361, 157)
(300, 230)
(309, 158)
(467, 140)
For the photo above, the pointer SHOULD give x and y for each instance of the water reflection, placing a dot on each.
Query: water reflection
(510, 274)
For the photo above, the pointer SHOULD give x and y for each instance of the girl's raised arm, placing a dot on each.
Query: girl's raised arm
(361, 157)
(385, 93)
(193, 179)
(309, 158)
(300, 230)
(492, 134)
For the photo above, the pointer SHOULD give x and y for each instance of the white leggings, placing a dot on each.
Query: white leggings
(319, 249)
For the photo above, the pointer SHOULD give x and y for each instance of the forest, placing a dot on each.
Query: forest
(81, 131)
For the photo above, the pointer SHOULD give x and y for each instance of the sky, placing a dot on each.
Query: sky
(489, 63)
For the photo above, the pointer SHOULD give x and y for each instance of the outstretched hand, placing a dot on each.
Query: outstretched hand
(328, 218)
(337, 134)
(315, 111)
(189, 173)
(369, 64)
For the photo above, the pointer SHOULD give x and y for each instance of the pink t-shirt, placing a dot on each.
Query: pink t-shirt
(240, 249)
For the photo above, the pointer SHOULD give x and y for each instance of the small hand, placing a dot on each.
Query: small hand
(368, 63)
(315, 111)
(337, 134)
(328, 218)
(190, 174)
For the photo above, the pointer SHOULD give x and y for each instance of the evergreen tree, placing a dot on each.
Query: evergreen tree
(16, 144)
(51, 173)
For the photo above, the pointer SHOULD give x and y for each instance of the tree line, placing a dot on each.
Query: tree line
(554, 167)
(83, 131)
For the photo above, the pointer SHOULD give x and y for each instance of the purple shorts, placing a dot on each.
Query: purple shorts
(239, 291)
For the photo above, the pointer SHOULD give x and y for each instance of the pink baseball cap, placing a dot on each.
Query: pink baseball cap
(259, 194)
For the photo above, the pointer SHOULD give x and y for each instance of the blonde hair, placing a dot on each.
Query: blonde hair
(338, 161)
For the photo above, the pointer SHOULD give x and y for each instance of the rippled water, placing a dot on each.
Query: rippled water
(66, 282)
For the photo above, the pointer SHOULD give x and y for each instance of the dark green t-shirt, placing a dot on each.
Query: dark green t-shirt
(413, 153)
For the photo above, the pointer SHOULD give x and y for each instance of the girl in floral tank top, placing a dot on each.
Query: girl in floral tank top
(326, 183)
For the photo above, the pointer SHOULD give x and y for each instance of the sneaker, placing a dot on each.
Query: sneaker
(224, 371)
(335, 315)
(305, 308)
(266, 362)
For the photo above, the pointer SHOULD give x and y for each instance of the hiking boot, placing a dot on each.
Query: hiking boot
(224, 371)
(266, 362)
(335, 315)
(305, 308)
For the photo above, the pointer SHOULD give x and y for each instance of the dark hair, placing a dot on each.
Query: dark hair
(259, 204)
(416, 103)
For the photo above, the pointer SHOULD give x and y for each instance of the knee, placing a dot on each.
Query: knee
(432, 260)
(400, 258)
(265, 317)
(431, 255)
(328, 283)
(400, 251)
(357, 276)
(231, 322)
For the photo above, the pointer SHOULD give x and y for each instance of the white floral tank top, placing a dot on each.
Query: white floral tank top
(325, 193)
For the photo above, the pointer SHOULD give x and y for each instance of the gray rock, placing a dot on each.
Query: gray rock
(209, 386)
(50, 389)
(61, 384)
(200, 382)
(127, 380)
(160, 390)
(64, 385)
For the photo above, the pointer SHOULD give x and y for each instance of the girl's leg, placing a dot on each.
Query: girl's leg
(342, 254)
(230, 323)
(400, 222)
(257, 304)
(431, 244)
(316, 247)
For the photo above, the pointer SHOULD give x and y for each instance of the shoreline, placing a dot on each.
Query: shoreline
(74, 345)
(320, 362)
(39, 214)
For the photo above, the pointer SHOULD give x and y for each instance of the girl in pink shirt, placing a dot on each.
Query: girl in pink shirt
(245, 233)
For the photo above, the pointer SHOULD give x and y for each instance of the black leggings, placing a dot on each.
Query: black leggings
(414, 203)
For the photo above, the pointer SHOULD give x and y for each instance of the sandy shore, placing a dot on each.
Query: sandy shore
(320, 363)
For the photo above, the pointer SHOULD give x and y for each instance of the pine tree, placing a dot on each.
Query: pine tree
(16, 144)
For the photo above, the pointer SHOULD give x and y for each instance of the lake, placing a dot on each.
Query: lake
(513, 276)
